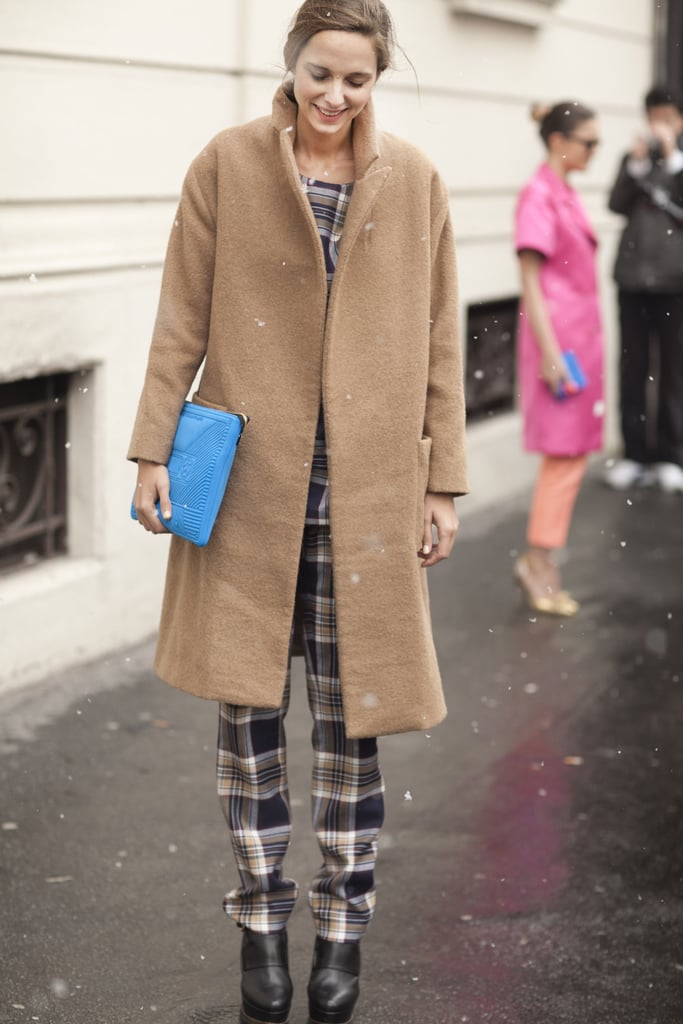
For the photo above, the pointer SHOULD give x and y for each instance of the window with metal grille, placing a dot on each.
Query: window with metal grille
(490, 368)
(33, 416)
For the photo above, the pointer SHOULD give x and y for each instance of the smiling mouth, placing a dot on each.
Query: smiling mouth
(329, 115)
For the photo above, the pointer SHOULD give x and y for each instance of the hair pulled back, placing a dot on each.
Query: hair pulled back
(369, 17)
(563, 117)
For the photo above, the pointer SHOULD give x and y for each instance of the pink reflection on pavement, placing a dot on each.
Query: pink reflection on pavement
(514, 865)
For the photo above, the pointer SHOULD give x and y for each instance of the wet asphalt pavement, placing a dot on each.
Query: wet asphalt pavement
(531, 865)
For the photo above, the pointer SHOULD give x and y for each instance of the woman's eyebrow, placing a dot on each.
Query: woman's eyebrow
(352, 74)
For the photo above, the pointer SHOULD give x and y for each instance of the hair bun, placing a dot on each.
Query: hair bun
(539, 111)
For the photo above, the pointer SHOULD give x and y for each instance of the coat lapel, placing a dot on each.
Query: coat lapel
(568, 198)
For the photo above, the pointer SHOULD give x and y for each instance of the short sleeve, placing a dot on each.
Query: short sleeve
(535, 222)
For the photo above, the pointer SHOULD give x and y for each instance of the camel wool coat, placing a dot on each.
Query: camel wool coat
(244, 290)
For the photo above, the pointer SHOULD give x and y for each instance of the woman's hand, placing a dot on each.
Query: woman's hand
(152, 486)
(439, 512)
(554, 371)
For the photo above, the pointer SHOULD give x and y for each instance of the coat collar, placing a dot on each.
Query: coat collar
(568, 195)
(554, 181)
(365, 145)
(371, 174)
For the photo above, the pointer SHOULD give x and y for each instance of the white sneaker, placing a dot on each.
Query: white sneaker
(670, 477)
(625, 473)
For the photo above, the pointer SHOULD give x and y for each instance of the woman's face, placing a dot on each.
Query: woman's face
(577, 147)
(333, 80)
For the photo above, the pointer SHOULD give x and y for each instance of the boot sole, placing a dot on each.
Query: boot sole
(268, 1018)
(321, 1017)
(330, 1020)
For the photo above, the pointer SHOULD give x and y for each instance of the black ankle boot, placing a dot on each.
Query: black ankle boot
(266, 984)
(333, 985)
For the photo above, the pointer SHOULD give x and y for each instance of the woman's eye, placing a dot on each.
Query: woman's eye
(318, 78)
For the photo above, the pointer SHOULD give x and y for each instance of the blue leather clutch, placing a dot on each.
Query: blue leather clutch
(578, 377)
(199, 467)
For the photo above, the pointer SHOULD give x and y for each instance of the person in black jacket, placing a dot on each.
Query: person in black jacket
(649, 274)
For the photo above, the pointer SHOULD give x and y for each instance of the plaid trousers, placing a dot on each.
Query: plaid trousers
(347, 787)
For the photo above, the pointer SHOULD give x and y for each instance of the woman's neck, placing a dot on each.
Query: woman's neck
(558, 165)
(325, 159)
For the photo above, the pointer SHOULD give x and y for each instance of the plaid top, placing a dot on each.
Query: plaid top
(329, 203)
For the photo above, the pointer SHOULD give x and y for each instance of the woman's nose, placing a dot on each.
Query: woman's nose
(335, 93)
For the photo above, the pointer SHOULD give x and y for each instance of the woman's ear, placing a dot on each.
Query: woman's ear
(555, 140)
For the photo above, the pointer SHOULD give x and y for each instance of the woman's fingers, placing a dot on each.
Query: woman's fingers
(427, 534)
(440, 513)
(164, 489)
(152, 486)
(554, 371)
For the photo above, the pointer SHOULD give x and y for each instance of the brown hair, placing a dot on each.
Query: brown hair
(564, 117)
(369, 17)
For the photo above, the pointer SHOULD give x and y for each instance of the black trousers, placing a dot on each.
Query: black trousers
(651, 342)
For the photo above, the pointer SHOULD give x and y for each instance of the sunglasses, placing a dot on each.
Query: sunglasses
(590, 144)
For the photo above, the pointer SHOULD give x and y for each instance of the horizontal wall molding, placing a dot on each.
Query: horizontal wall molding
(508, 98)
(90, 201)
(389, 83)
(597, 29)
(124, 63)
(596, 188)
(59, 238)
(81, 271)
(42, 238)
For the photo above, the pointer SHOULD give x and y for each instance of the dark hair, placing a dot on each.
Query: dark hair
(662, 96)
(564, 117)
(369, 17)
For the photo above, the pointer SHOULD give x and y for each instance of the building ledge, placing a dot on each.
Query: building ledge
(532, 13)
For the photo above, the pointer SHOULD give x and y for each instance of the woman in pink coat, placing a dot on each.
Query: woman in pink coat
(559, 325)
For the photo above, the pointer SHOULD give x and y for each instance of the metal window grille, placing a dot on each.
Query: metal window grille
(33, 417)
(490, 373)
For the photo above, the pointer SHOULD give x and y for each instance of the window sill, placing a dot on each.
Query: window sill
(23, 584)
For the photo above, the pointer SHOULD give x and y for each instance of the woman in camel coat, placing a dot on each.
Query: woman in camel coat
(347, 349)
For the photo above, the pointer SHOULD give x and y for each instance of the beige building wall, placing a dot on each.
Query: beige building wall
(103, 108)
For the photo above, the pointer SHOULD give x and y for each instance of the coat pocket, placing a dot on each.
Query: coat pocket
(198, 400)
(424, 448)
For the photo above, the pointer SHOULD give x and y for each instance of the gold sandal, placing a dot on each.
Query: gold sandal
(561, 603)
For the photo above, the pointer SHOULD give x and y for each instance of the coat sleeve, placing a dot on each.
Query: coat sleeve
(625, 191)
(444, 419)
(181, 330)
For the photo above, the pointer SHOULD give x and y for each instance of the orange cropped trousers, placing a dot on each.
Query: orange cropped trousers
(557, 487)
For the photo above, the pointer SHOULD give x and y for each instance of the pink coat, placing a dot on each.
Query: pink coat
(551, 219)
